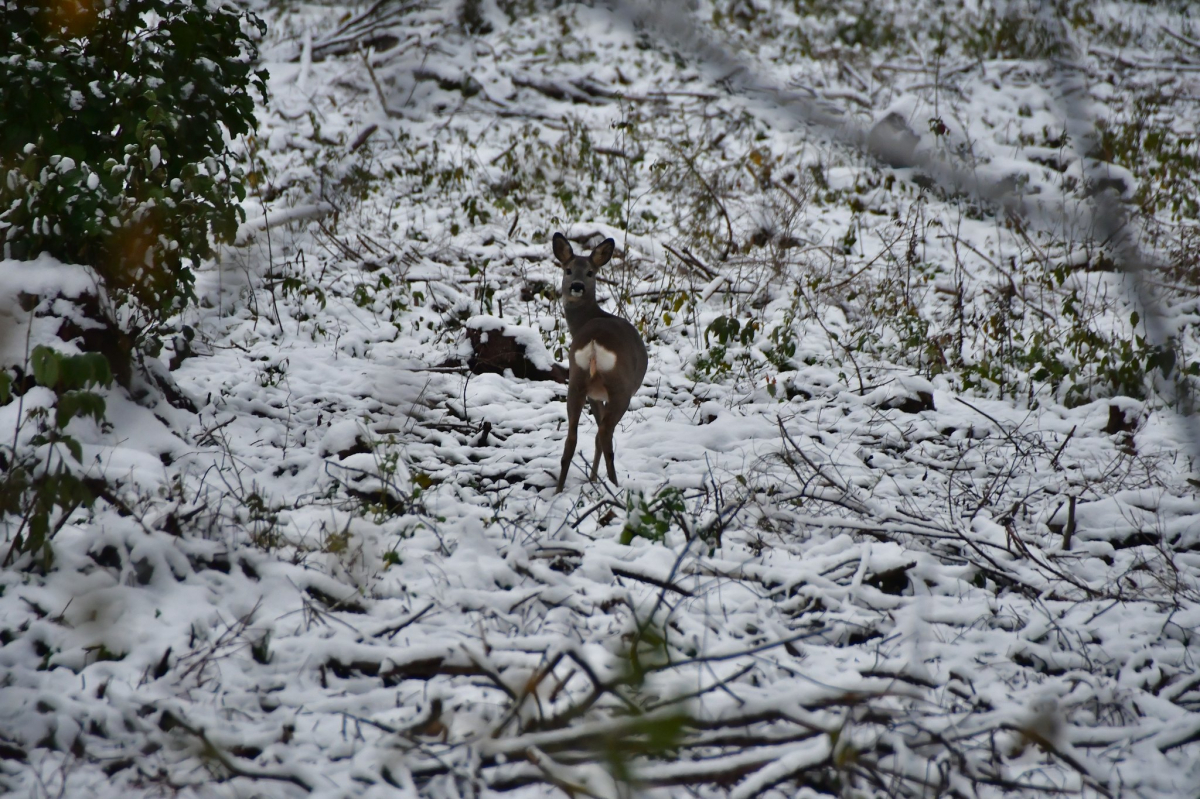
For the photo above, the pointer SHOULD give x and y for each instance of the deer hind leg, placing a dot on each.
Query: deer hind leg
(575, 397)
(613, 413)
(598, 409)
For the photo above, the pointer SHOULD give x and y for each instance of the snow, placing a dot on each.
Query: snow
(347, 573)
(43, 275)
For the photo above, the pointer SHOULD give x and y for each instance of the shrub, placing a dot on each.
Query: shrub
(113, 122)
(41, 477)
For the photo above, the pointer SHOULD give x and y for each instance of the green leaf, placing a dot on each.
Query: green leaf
(65, 410)
(72, 372)
(39, 525)
(99, 371)
(45, 365)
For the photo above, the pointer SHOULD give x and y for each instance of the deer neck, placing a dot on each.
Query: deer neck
(579, 315)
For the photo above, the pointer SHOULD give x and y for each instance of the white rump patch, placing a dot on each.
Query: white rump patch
(595, 358)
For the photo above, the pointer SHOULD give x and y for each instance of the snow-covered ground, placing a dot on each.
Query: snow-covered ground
(867, 541)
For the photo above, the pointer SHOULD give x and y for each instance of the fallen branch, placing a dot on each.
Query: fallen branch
(250, 229)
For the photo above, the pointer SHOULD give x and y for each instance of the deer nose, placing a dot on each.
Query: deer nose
(577, 287)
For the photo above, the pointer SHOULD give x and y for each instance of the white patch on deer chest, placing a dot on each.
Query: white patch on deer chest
(595, 358)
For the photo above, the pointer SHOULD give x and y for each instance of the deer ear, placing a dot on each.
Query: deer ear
(603, 253)
(562, 248)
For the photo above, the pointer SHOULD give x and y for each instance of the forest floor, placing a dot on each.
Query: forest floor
(908, 497)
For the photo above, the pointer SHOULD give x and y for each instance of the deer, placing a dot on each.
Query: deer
(607, 356)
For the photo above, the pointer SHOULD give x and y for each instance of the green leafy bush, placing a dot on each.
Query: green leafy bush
(651, 518)
(41, 484)
(113, 124)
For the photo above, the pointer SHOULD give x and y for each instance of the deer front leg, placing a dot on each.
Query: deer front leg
(575, 397)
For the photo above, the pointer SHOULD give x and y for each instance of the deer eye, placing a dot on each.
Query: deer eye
(590, 273)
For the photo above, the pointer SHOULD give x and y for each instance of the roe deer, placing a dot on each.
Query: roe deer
(608, 358)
